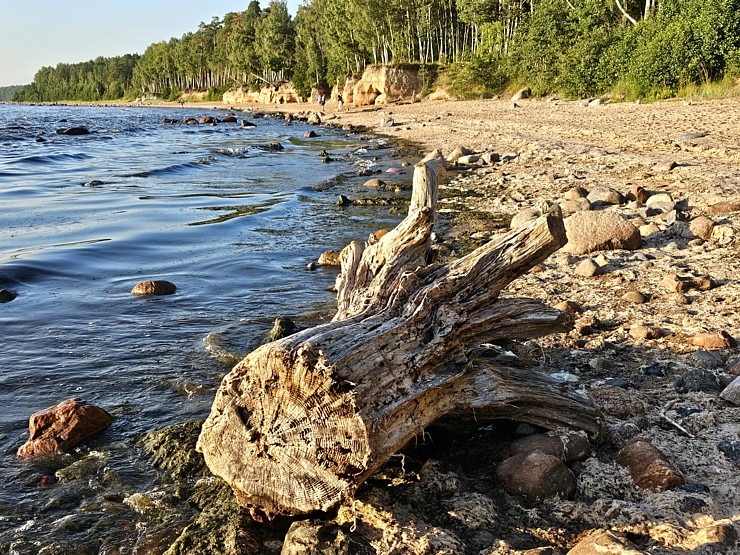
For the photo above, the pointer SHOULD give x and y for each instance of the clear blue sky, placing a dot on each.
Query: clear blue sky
(38, 33)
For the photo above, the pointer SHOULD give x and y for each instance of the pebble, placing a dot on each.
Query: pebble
(605, 195)
(698, 379)
(634, 297)
(569, 306)
(536, 476)
(648, 229)
(588, 268)
(665, 166)
(6, 295)
(645, 332)
(154, 287)
(649, 467)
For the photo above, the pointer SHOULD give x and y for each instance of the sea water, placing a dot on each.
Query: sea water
(219, 211)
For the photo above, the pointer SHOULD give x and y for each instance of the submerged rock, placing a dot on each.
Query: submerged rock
(73, 131)
(6, 295)
(63, 426)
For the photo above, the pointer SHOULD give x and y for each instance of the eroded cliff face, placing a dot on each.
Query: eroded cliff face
(383, 84)
(378, 85)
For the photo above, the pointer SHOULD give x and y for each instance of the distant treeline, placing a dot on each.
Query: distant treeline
(7, 93)
(641, 48)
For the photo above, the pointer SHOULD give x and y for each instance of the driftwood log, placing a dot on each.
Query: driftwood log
(300, 422)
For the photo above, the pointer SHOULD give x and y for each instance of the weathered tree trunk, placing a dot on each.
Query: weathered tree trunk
(299, 423)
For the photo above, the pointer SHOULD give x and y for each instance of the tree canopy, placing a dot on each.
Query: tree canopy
(649, 48)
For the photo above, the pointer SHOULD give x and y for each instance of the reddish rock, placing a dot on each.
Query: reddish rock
(569, 306)
(702, 227)
(154, 287)
(536, 476)
(725, 207)
(639, 194)
(62, 427)
(649, 467)
(575, 193)
(684, 284)
(374, 183)
(568, 447)
(642, 333)
(713, 340)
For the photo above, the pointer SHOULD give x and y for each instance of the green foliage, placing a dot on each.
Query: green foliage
(577, 47)
(8, 93)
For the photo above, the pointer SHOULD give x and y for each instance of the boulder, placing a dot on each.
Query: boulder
(6, 295)
(524, 216)
(282, 327)
(594, 231)
(731, 393)
(649, 467)
(62, 427)
(536, 476)
(605, 195)
(575, 193)
(207, 120)
(702, 227)
(383, 84)
(154, 287)
(713, 340)
(588, 268)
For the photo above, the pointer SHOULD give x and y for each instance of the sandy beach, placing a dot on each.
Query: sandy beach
(652, 355)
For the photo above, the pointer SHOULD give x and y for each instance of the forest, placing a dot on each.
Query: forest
(647, 49)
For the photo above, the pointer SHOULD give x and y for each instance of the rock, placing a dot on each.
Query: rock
(374, 183)
(698, 379)
(315, 537)
(588, 268)
(575, 193)
(246, 123)
(639, 194)
(730, 449)
(568, 447)
(521, 94)
(706, 360)
(617, 402)
(605, 542)
(642, 333)
(731, 393)
(713, 340)
(536, 476)
(686, 137)
(343, 201)
(73, 131)
(310, 134)
(62, 427)
(468, 159)
(659, 198)
(154, 287)
(387, 122)
(569, 207)
(229, 119)
(665, 166)
(648, 229)
(649, 467)
(491, 157)
(282, 327)
(207, 120)
(733, 367)
(684, 284)
(6, 295)
(457, 153)
(314, 119)
(381, 84)
(329, 258)
(723, 234)
(702, 227)
(594, 231)
(569, 306)
(377, 236)
(521, 218)
(605, 195)
(725, 207)
(634, 297)
(595, 102)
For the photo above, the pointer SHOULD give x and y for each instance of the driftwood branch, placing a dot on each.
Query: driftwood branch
(299, 423)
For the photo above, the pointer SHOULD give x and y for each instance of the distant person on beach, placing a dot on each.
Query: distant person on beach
(322, 101)
(340, 101)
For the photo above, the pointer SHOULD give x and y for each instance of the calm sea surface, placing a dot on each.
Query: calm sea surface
(213, 209)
